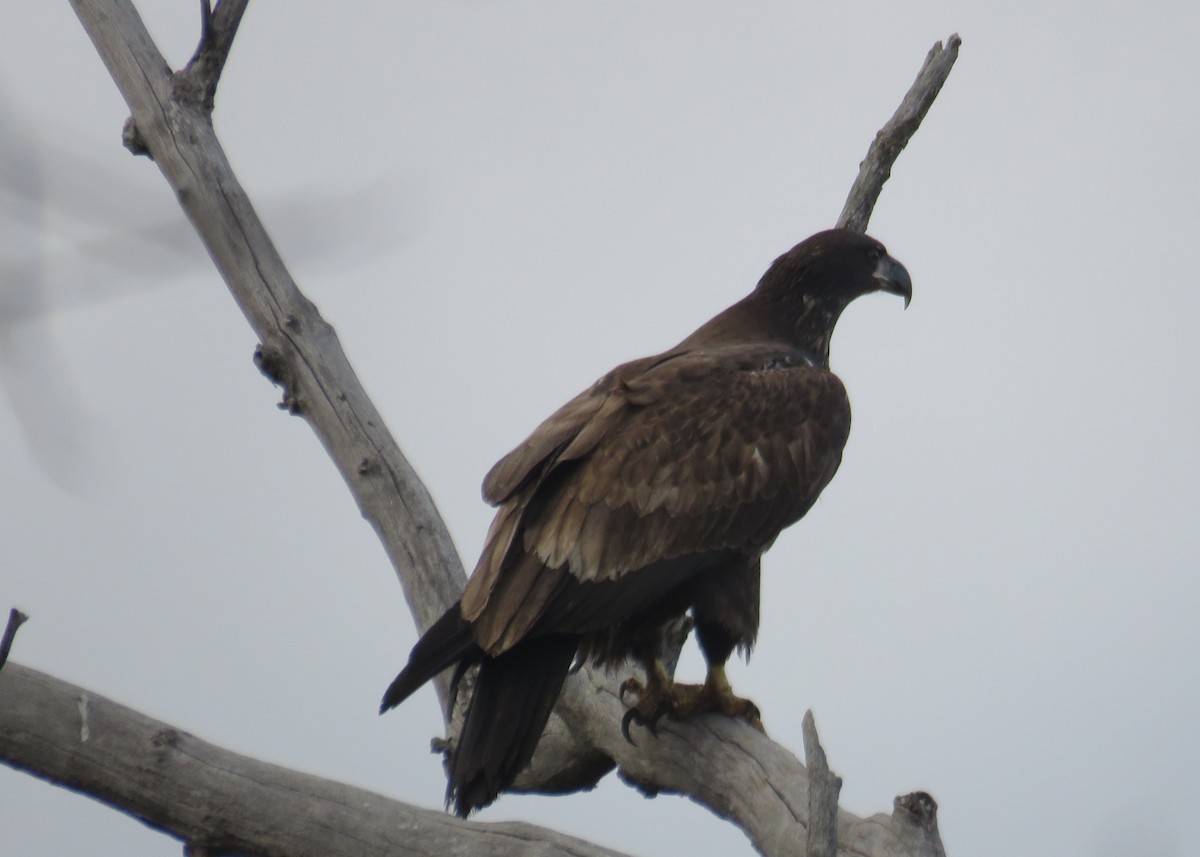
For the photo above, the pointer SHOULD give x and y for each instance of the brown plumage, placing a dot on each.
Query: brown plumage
(651, 494)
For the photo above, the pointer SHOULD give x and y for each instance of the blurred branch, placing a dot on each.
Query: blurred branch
(122, 237)
(724, 764)
(891, 139)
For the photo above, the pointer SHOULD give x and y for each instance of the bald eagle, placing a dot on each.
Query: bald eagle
(651, 495)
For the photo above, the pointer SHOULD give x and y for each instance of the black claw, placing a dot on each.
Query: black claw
(629, 717)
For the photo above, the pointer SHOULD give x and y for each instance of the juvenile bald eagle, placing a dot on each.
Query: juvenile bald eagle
(651, 494)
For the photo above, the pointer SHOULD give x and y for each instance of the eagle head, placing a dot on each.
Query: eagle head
(833, 268)
(803, 293)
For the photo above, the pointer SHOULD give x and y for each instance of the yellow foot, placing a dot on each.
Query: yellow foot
(680, 701)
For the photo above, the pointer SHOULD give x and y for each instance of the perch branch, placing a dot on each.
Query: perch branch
(734, 770)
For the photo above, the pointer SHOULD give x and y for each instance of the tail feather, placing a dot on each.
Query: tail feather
(448, 641)
(514, 695)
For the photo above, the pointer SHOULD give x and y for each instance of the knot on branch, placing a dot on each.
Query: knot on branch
(272, 362)
(914, 818)
(132, 139)
(918, 808)
(165, 738)
(644, 785)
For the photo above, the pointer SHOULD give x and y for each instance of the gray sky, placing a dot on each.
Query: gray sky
(495, 202)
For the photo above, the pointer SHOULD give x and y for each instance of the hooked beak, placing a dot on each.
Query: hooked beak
(893, 277)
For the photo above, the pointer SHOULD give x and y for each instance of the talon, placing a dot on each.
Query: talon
(662, 697)
(754, 717)
(659, 696)
(742, 709)
(629, 717)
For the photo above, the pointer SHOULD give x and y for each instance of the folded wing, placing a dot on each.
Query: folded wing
(684, 454)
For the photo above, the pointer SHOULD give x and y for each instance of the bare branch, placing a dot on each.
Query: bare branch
(876, 168)
(824, 787)
(220, 802)
(300, 350)
(15, 620)
(916, 815)
(736, 771)
(198, 82)
(206, 19)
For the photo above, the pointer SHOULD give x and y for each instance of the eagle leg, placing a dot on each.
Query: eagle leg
(661, 696)
(716, 695)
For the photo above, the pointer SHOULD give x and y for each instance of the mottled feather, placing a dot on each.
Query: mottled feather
(696, 450)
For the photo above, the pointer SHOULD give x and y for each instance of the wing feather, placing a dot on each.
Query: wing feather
(693, 452)
(514, 470)
(693, 440)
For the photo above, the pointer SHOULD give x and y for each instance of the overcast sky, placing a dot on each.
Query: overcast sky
(495, 202)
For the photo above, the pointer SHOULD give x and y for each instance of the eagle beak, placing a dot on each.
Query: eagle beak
(893, 277)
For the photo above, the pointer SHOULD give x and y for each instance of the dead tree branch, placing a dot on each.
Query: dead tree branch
(299, 350)
(198, 82)
(891, 139)
(219, 802)
(824, 787)
(736, 771)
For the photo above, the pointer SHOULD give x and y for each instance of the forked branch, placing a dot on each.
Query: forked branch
(218, 27)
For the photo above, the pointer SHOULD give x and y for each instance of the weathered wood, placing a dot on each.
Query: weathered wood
(889, 142)
(219, 802)
(739, 773)
(299, 350)
(218, 28)
(824, 788)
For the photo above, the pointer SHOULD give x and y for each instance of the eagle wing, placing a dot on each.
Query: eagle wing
(687, 453)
